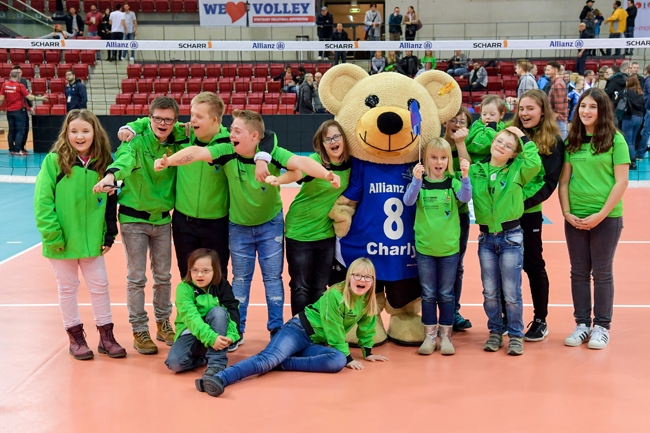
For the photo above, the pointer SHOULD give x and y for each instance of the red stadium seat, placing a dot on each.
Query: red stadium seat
(145, 85)
(229, 70)
(186, 98)
(89, 3)
(166, 71)
(181, 71)
(134, 110)
(492, 71)
(177, 85)
(288, 99)
(591, 65)
(39, 5)
(42, 109)
(71, 56)
(57, 85)
(258, 85)
(147, 6)
(28, 70)
(269, 109)
(210, 85)
(462, 82)
(466, 97)
(285, 109)
(177, 6)
(39, 86)
(194, 85)
(184, 109)
(134, 71)
(162, 6)
(272, 99)
(150, 71)
(191, 6)
(274, 86)
(261, 71)
(254, 107)
(245, 70)
(36, 56)
(233, 107)
(256, 98)
(62, 68)
(123, 99)
(81, 71)
(18, 56)
(213, 70)
(4, 55)
(88, 57)
(72, 4)
(176, 97)
(161, 85)
(197, 70)
(239, 99)
(5, 70)
(510, 83)
(225, 97)
(155, 95)
(128, 85)
(46, 71)
(242, 84)
(140, 98)
(507, 68)
(51, 6)
(59, 109)
(52, 56)
(442, 66)
(118, 109)
(323, 67)
(226, 85)
(494, 83)
(61, 99)
(309, 67)
(511, 93)
(277, 69)
(571, 65)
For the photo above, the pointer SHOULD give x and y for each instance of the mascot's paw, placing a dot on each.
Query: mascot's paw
(405, 326)
(380, 331)
(341, 213)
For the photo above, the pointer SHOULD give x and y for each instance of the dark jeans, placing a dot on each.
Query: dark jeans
(293, 349)
(473, 88)
(24, 143)
(645, 134)
(340, 55)
(631, 126)
(409, 35)
(591, 252)
(310, 266)
(193, 233)
(323, 53)
(629, 33)
(534, 265)
(437, 277)
(580, 63)
(617, 52)
(188, 352)
(464, 236)
(116, 36)
(16, 120)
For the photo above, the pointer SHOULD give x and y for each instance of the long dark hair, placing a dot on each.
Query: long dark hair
(604, 129)
(199, 254)
(319, 147)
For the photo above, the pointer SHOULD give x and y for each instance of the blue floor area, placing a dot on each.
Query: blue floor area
(17, 219)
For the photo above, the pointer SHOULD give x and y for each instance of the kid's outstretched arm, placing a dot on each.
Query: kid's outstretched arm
(184, 157)
(313, 169)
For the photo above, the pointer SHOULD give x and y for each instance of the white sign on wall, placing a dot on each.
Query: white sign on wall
(642, 22)
(216, 13)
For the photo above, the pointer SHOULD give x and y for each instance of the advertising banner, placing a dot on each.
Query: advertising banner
(214, 13)
(642, 22)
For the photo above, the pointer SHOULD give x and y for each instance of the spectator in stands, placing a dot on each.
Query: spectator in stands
(589, 7)
(58, 33)
(574, 95)
(633, 118)
(428, 57)
(116, 20)
(395, 25)
(104, 27)
(590, 25)
(289, 80)
(411, 24)
(558, 97)
(29, 104)
(378, 63)
(74, 24)
(306, 95)
(316, 102)
(616, 82)
(410, 64)
(301, 74)
(645, 135)
(629, 26)
(583, 53)
(478, 78)
(428, 66)
(604, 75)
(393, 64)
(634, 70)
(617, 25)
(625, 68)
(590, 79)
(526, 79)
(340, 35)
(75, 92)
(373, 23)
(93, 21)
(15, 93)
(325, 23)
(457, 64)
(544, 83)
(130, 24)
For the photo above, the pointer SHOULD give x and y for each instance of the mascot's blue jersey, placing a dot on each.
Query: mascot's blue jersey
(382, 227)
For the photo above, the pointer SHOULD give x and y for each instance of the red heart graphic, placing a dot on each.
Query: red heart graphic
(236, 11)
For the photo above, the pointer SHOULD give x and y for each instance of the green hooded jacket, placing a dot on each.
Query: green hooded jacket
(480, 137)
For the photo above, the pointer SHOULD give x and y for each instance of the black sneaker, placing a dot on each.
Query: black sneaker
(460, 323)
(211, 371)
(537, 330)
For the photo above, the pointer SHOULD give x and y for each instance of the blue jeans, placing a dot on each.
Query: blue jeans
(563, 129)
(502, 257)
(128, 37)
(617, 52)
(293, 350)
(437, 277)
(267, 240)
(188, 352)
(645, 135)
(290, 89)
(458, 72)
(464, 237)
(631, 127)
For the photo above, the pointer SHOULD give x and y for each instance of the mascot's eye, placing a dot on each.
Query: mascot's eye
(411, 101)
(372, 101)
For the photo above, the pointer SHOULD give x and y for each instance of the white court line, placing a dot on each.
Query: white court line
(20, 253)
(121, 304)
(564, 242)
(14, 242)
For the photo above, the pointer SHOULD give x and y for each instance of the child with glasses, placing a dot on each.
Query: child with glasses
(207, 316)
(497, 185)
(309, 231)
(438, 194)
(314, 340)
(146, 199)
(482, 133)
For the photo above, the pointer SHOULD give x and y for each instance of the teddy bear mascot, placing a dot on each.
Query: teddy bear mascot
(370, 218)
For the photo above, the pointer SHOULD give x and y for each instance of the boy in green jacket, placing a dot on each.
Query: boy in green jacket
(481, 134)
(145, 200)
(498, 183)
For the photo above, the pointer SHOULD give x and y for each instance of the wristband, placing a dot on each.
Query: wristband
(264, 156)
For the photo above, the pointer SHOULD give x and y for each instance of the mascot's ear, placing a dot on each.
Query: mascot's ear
(445, 92)
(337, 82)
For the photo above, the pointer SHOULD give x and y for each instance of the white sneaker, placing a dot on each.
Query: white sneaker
(599, 338)
(326, 58)
(320, 58)
(132, 59)
(579, 336)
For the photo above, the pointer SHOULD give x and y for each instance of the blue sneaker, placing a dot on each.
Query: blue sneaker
(460, 323)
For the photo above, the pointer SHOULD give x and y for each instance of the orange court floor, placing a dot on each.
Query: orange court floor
(551, 388)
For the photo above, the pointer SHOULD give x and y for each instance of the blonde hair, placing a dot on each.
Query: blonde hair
(574, 77)
(361, 264)
(252, 120)
(440, 145)
(216, 107)
(100, 149)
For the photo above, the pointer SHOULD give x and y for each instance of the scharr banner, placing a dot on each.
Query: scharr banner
(214, 13)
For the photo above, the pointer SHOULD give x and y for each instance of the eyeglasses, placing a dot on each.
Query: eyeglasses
(366, 278)
(506, 146)
(329, 140)
(165, 120)
(458, 122)
(201, 271)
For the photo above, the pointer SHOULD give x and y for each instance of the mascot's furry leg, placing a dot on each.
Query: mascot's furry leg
(405, 326)
(380, 331)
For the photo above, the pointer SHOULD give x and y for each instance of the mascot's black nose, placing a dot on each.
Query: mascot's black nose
(389, 123)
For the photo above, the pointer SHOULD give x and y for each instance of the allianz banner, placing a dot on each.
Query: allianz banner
(214, 13)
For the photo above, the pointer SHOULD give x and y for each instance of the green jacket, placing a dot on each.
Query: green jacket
(201, 188)
(506, 202)
(480, 137)
(194, 303)
(331, 320)
(147, 195)
(69, 215)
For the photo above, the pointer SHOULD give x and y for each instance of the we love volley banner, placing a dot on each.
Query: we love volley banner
(214, 13)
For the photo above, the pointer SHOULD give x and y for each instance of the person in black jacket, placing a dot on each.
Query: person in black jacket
(589, 7)
(633, 117)
(305, 95)
(75, 92)
(340, 35)
(410, 64)
(325, 23)
(616, 83)
(73, 23)
(288, 84)
(629, 28)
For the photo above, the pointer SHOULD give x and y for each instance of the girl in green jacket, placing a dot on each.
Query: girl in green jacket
(79, 227)
(302, 343)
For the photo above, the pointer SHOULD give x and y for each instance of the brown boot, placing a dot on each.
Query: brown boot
(165, 332)
(107, 343)
(78, 347)
(143, 343)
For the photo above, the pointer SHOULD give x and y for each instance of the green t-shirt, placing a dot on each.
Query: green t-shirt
(462, 207)
(437, 212)
(429, 59)
(593, 177)
(252, 203)
(307, 219)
